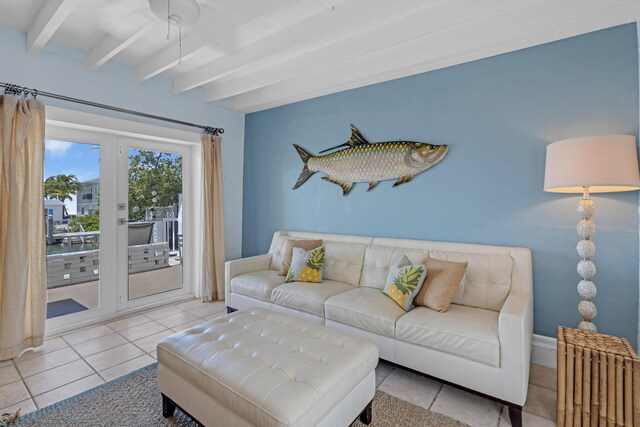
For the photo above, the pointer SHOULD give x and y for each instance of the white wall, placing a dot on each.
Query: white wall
(63, 70)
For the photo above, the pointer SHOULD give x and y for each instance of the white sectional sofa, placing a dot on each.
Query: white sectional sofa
(483, 342)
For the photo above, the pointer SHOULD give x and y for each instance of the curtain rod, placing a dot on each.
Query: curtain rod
(11, 89)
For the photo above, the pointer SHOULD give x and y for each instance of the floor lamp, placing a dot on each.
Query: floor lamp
(594, 164)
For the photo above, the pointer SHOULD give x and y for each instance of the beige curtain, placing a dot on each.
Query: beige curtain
(213, 256)
(23, 287)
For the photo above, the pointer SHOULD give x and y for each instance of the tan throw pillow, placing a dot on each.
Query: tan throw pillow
(307, 245)
(441, 284)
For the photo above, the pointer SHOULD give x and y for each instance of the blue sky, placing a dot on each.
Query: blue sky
(79, 159)
(63, 157)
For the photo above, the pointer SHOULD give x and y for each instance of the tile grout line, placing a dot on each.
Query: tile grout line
(436, 396)
(21, 402)
(66, 384)
(22, 377)
(122, 363)
(146, 336)
(82, 358)
(15, 366)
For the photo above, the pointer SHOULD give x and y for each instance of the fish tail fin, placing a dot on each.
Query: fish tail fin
(306, 173)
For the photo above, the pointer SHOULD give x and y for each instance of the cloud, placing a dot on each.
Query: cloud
(57, 148)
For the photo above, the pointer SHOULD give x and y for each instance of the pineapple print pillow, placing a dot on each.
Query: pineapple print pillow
(306, 266)
(404, 282)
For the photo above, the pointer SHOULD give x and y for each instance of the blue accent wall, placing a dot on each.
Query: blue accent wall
(497, 115)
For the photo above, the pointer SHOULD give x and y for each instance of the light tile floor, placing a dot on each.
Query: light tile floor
(539, 410)
(83, 359)
(77, 361)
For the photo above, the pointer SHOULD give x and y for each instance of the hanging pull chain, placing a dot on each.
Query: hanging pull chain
(180, 46)
(168, 19)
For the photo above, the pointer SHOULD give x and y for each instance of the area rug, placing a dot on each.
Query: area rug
(63, 307)
(134, 401)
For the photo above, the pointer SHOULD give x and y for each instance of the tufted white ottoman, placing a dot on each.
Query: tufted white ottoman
(256, 367)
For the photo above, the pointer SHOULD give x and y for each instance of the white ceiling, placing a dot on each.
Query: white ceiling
(266, 53)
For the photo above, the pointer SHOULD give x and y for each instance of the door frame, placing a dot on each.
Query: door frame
(62, 123)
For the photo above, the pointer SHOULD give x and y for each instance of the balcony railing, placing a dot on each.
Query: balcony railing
(80, 267)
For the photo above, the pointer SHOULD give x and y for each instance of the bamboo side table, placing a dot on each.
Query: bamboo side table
(598, 380)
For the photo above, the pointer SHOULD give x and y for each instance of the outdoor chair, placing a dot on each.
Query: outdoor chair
(140, 233)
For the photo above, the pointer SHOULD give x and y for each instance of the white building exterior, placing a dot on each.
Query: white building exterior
(53, 208)
(87, 197)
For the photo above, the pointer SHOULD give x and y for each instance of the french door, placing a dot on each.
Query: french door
(119, 224)
(153, 227)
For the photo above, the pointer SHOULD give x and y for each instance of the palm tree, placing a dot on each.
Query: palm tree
(61, 187)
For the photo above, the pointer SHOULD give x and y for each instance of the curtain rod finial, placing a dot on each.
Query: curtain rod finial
(213, 131)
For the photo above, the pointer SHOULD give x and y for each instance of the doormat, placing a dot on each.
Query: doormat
(63, 307)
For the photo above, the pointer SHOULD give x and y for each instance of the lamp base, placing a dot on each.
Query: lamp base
(587, 326)
(586, 268)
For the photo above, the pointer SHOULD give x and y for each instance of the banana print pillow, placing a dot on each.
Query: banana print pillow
(404, 282)
(306, 266)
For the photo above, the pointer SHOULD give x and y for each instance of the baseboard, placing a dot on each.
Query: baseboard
(544, 351)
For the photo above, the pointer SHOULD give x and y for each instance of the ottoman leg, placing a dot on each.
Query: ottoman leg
(168, 407)
(367, 414)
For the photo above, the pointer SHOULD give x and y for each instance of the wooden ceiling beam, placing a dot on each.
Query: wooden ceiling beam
(110, 46)
(205, 34)
(47, 22)
(346, 18)
(519, 28)
(438, 17)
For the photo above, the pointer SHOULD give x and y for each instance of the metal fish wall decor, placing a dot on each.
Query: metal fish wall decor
(363, 161)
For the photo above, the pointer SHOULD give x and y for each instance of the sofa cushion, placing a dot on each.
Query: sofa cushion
(343, 261)
(466, 332)
(288, 251)
(364, 308)
(258, 284)
(487, 281)
(378, 259)
(307, 297)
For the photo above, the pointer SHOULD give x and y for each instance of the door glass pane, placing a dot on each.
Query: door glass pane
(72, 218)
(155, 222)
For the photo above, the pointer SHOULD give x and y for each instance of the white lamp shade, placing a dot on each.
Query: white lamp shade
(606, 163)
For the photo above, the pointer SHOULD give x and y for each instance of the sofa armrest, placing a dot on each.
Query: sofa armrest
(243, 266)
(515, 328)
